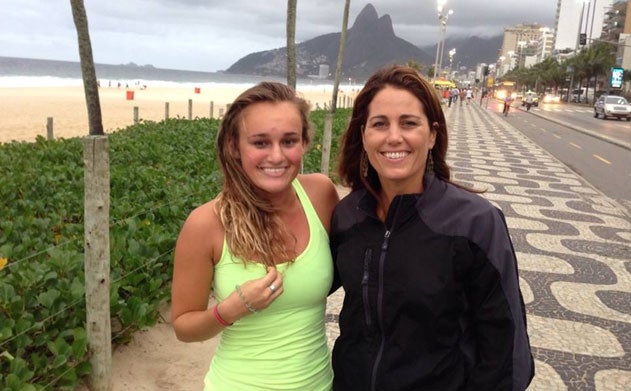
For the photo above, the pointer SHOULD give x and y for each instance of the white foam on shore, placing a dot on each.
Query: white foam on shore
(53, 81)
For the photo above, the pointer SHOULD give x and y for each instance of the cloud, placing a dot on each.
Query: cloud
(211, 35)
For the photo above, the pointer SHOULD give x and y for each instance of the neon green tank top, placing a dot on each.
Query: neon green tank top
(283, 347)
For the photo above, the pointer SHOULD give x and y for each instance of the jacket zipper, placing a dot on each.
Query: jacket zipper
(396, 202)
(382, 258)
(367, 257)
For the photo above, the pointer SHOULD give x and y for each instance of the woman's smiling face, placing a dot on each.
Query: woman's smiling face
(397, 138)
(271, 145)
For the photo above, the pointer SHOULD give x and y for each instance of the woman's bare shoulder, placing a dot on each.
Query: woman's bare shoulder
(322, 193)
(203, 229)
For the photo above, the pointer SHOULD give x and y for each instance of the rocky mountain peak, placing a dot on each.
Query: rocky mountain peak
(367, 17)
(369, 22)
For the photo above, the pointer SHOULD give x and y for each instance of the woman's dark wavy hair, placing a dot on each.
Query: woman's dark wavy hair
(405, 78)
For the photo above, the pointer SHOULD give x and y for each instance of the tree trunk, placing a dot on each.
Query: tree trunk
(291, 43)
(88, 73)
(96, 217)
(340, 57)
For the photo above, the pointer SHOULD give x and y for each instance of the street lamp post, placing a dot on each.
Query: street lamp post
(452, 52)
(443, 16)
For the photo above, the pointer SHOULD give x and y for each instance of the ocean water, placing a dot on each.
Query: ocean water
(27, 72)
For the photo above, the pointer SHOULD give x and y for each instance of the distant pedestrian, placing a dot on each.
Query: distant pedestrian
(507, 102)
(469, 95)
(529, 100)
(453, 95)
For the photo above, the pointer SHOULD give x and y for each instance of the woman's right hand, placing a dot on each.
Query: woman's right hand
(256, 295)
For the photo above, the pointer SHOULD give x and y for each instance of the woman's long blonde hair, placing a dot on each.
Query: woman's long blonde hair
(253, 229)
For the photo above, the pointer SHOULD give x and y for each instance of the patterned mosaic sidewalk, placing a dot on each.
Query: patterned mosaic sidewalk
(573, 246)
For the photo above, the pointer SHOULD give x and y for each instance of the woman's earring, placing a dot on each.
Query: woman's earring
(363, 164)
(429, 167)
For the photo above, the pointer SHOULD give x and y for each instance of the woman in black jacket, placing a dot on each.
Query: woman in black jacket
(432, 300)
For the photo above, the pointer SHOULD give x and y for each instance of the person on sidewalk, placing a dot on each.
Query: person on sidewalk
(508, 99)
(432, 298)
(262, 247)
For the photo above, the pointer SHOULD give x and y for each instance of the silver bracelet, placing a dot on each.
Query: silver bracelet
(244, 301)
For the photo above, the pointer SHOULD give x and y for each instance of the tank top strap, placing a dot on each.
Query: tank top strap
(307, 206)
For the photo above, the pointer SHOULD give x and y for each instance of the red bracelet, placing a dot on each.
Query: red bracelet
(219, 318)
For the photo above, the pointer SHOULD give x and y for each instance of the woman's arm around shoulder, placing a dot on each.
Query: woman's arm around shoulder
(323, 195)
(197, 249)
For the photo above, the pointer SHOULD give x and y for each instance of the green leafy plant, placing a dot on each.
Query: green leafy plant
(159, 172)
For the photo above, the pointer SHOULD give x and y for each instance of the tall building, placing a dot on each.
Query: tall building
(569, 21)
(522, 45)
(545, 44)
(515, 39)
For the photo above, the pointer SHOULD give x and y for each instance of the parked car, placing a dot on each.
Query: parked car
(612, 106)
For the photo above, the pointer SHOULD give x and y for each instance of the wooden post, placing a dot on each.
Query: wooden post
(212, 108)
(49, 128)
(135, 114)
(97, 259)
(190, 109)
(166, 110)
(326, 144)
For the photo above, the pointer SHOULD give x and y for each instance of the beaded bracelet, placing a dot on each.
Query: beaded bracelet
(244, 301)
(219, 318)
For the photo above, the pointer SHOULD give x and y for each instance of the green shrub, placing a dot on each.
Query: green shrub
(159, 172)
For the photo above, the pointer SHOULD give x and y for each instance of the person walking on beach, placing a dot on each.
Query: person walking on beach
(432, 299)
(262, 247)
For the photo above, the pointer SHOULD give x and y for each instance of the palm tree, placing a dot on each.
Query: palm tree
(87, 68)
(415, 65)
(291, 43)
(340, 57)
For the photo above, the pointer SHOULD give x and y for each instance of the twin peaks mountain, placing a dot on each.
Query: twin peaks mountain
(370, 44)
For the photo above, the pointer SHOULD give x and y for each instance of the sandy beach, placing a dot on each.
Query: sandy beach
(156, 360)
(25, 111)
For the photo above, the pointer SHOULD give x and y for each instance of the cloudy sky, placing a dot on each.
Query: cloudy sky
(211, 35)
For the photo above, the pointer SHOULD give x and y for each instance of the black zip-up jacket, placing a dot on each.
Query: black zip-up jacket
(432, 300)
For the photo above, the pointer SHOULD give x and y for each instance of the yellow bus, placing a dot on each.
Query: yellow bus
(503, 88)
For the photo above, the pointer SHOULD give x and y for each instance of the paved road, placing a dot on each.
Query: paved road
(573, 246)
(611, 130)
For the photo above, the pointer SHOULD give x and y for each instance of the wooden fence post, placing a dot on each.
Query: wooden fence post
(190, 109)
(212, 108)
(166, 110)
(326, 144)
(135, 114)
(49, 128)
(97, 258)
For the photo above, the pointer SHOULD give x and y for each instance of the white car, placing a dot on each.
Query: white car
(612, 106)
(551, 98)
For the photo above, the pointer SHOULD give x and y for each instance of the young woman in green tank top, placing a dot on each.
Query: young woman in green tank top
(261, 249)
